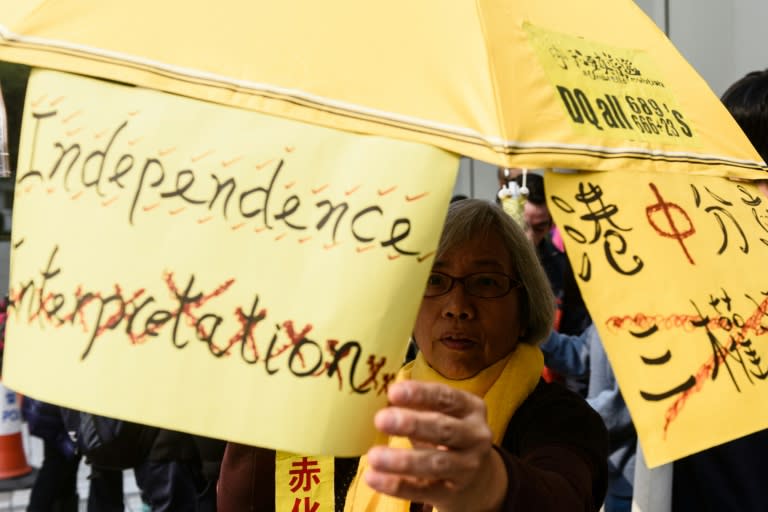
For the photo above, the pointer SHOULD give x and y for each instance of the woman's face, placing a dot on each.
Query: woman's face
(460, 334)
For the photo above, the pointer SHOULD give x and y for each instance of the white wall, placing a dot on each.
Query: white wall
(722, 39)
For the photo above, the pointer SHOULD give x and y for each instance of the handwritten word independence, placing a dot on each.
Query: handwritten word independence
(113, 170)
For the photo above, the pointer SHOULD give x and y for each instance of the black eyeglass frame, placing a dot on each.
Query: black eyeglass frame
(512, 284)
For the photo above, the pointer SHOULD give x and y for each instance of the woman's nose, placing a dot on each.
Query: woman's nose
(458, 304)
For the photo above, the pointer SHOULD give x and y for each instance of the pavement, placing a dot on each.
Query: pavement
(16, 500)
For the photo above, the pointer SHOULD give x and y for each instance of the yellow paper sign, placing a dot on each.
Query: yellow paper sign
(212, 270)
(671, 269)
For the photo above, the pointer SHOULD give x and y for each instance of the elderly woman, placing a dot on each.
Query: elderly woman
(472, 426)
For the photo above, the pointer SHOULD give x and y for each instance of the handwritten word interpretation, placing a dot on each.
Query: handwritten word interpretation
(188, 315)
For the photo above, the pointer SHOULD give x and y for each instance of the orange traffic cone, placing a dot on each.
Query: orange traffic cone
(13, 460)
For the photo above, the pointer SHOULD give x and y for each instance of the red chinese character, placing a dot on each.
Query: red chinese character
(304, 476)
(308, 507)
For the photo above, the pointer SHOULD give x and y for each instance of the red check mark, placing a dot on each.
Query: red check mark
(71, 116)
(416, 197)
(201, 155)
(386, 191)
(227, 163)
(263, 164)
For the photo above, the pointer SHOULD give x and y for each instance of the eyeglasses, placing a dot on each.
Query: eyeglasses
(488, 285)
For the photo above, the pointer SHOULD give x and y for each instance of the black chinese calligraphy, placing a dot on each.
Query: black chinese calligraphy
(734, 345)
(721, 213)
(730, 331)
(593, 209)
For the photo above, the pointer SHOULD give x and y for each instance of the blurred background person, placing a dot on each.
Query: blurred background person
(584, 356)
(530, 210)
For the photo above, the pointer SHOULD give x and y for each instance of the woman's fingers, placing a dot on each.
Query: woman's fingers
(434, 428)
(446, 480)
(424, 464)
(430, 396)
(452, 460)
(414, 489)
(435, 414)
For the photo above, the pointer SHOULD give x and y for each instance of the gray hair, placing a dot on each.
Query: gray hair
(470, 218)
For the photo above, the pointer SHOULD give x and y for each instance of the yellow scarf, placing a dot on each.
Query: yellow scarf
(503, 387)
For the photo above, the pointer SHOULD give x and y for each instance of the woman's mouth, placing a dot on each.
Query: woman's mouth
(457, 342)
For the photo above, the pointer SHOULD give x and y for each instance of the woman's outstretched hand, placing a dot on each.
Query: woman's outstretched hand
(453, 465)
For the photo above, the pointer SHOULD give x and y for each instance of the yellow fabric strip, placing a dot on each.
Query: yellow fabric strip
(303, 483)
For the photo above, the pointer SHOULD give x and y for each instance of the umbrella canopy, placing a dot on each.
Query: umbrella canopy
(527, 83)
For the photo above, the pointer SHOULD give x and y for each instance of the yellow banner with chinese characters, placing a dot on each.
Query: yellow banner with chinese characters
(304, 484)
(213, 270)
(671, 268)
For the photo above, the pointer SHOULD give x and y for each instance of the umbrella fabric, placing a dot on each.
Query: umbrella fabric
(528, 83)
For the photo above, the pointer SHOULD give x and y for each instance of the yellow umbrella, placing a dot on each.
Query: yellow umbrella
(528, 83)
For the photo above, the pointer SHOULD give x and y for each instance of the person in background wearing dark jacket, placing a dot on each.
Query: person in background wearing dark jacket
(584, 355)
(470, 424)
(573, 316)
(55, 487)
(180, 472)
(728, 476)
